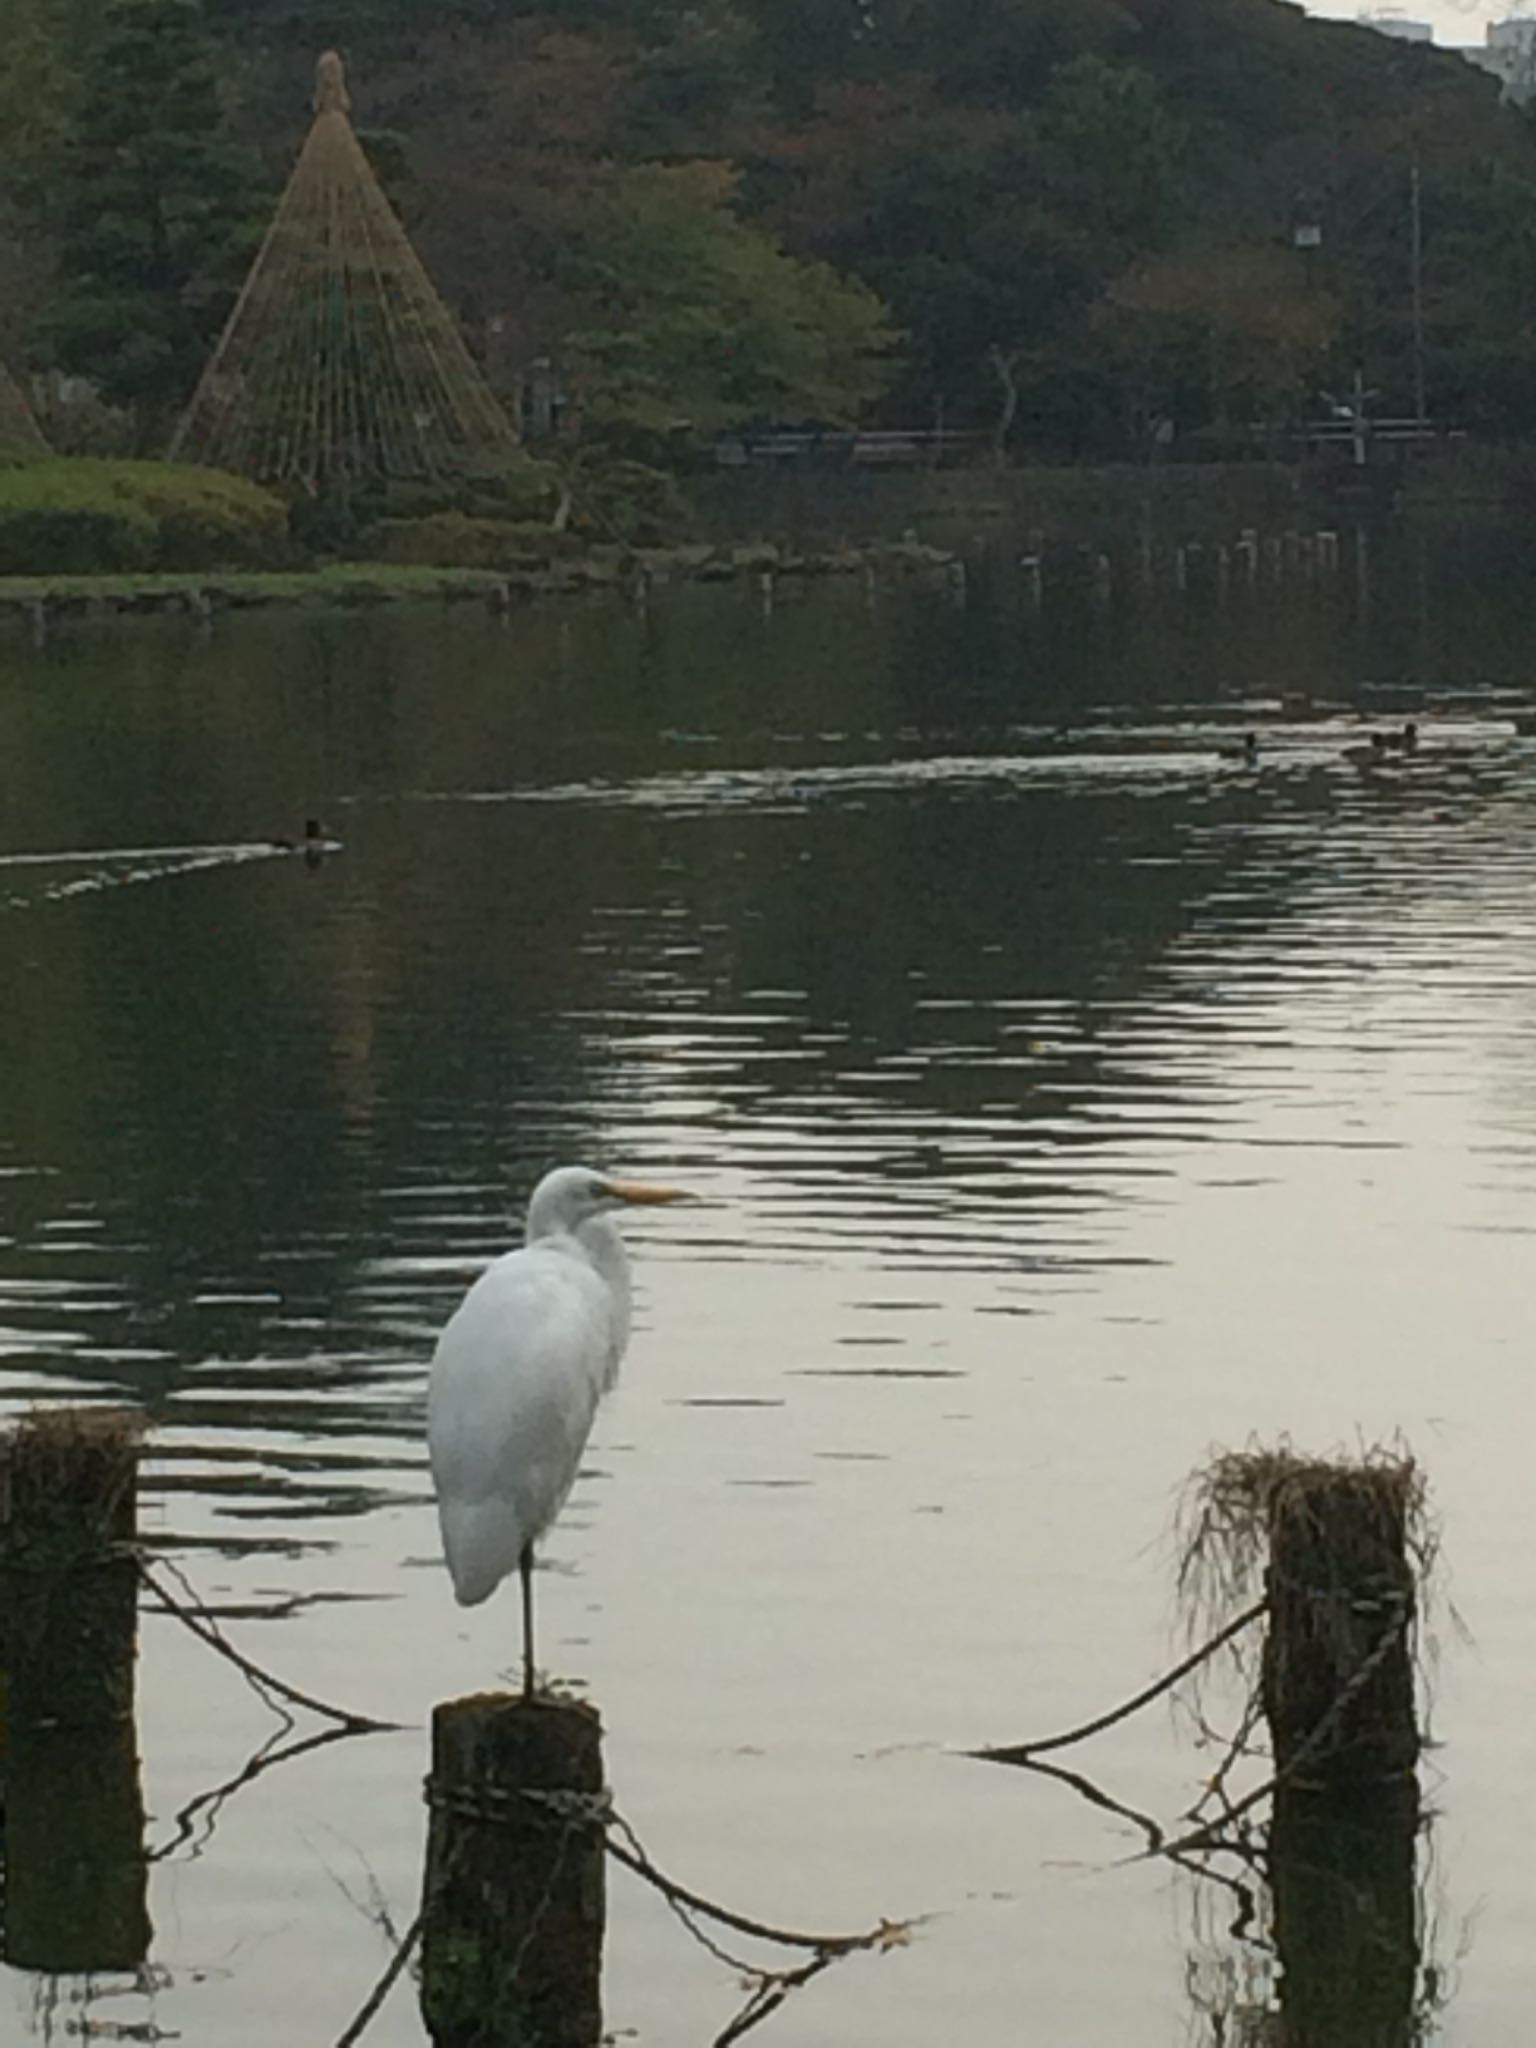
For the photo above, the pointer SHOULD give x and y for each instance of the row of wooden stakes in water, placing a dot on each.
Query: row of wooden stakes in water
(513, 1911)
(516, 1845)
(1218, 565)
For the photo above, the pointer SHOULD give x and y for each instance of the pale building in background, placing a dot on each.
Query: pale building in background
(1391, 23)
(1508, 51)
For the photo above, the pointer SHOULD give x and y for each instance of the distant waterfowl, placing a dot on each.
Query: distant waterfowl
(314, 840)
(1374, 754)
(317, 842)
(1406, 741)
(1247, 751)
(1524, 723)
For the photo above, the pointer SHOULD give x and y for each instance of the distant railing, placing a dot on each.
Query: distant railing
(892, 447)
(1361, 434)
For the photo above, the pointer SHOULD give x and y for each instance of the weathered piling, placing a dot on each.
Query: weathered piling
(514, 1896)
(1338, 1545)
(1346, 1924)
(74, 1816)
(1338, 1681)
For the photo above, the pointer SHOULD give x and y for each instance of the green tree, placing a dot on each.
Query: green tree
(694, 319)
(36, 81)
(1000, 52)
(1109, 150)
(808, 45)
(152, 211)
(1210, 334)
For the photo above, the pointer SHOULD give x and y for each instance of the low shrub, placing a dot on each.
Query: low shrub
(207, 519)
(72, 539)
(521, 488)
(619, 499)
(454, 540)
(68, 516)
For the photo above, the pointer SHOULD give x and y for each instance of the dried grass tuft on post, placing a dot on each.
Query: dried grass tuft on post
(1341, 1547)
(340, 364)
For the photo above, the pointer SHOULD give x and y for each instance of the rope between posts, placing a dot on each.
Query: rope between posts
(504, 1806)
(1021, 1752)
(1205, 1835)
(497, 1805)
(201, 1623)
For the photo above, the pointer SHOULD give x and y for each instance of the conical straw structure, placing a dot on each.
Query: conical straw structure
(340, 363)
(19, 432)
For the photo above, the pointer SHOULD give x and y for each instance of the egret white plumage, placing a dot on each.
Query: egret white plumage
(516, 1378)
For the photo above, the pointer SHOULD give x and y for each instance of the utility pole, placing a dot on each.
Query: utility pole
(1420, 411)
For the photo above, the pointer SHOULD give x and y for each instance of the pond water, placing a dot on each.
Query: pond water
(1062, 1101)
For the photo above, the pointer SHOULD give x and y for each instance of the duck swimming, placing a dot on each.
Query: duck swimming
(1247, 752)
(315, 844)
(1367, 757)
(314, 831)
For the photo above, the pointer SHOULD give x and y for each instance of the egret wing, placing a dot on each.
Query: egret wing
(515, 1382)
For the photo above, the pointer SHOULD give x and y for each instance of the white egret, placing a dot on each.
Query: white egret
(516, 1378)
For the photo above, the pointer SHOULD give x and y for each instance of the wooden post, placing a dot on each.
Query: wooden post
(1346, 1924)
(74, 1815)
(1337, 1675)
(514, 1896)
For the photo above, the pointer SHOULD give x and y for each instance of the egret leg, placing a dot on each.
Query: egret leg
(525, 1572)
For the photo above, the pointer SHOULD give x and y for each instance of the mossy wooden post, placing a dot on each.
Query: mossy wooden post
(1338, 1681)
(74, 1813)
(514, 1896)
(1346, 1922)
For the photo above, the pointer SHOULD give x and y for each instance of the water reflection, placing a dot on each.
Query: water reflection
(1063, 1095)
(1344, 1954)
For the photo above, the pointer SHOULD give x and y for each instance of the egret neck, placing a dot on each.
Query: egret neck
(603, 1243)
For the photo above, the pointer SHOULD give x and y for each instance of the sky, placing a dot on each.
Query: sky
(1455, 21)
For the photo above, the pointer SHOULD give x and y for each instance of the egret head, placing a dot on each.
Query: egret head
(572, 1195)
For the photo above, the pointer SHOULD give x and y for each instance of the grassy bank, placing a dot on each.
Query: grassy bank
(171, 590)
(628, 571)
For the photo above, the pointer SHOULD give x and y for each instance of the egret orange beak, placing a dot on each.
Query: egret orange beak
(643, 1192)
